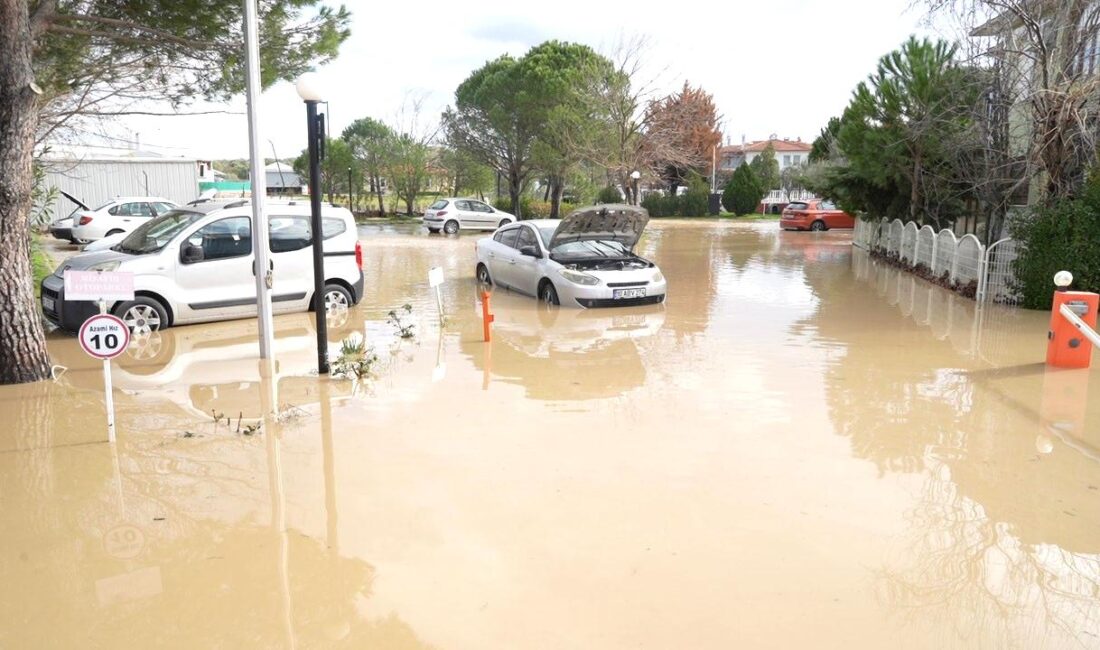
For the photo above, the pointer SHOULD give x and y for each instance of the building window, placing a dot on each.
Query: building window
(786, 161)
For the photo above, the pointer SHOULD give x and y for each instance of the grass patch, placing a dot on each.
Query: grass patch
(41, 265)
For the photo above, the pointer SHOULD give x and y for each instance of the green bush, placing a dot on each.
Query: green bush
(1065, 236)
(743, 193)
(531, 208)
(693, 203)
(609, 195)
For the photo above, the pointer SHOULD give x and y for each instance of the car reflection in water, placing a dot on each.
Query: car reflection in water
(214, 367)
(564, 354)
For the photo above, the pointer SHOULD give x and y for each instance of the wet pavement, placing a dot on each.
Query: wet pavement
(802, 448)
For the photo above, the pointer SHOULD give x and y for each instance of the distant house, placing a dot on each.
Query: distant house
(787, 152)
(282, 179)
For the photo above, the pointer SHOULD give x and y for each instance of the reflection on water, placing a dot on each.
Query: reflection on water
(795, 414)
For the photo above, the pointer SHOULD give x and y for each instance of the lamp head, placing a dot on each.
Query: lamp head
(1062, 279)
(309, 88)
(635, 174)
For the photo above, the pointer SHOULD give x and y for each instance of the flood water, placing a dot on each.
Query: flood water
(802, 448)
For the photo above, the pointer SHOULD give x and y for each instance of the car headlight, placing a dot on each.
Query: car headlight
(576, 277)
(657, 277)
(104, 266)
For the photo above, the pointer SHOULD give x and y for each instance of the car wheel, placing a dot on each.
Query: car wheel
(143, 315)
(451, 227)
(817, 226)
(548, 295)
(483, 275)
(503, 222)
(336, 298)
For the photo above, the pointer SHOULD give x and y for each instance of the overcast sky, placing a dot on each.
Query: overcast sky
(773, 66)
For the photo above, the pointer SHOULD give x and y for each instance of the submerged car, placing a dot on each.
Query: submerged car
(453, 214)
(815, 214)
(584, 260)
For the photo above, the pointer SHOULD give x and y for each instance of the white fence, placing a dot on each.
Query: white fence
(962, 263)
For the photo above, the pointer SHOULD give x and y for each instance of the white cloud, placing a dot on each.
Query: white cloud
(779, 66)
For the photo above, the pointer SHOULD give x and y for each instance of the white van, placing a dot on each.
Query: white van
(195, 264)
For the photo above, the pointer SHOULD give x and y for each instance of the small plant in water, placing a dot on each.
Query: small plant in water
(355, 361)
(397, 318)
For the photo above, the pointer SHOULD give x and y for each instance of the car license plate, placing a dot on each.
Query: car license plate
(628, 293)
(47, 303)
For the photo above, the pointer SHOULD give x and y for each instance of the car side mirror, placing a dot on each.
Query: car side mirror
(530, 251)
(191, 254)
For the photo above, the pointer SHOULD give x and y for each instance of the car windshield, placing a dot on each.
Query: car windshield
(441, 203)
(546, 233)
(155, 234)
(590, 248)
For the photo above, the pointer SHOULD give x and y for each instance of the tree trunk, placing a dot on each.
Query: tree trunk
(515, 184)
(557, 188)
(23, 355)
(377, 182)
(914, 189)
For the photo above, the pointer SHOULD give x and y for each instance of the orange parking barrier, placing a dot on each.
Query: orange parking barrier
(486, 317)
(1068, 346)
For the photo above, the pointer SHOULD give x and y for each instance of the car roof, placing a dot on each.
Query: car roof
(540, 223)
(142, 198)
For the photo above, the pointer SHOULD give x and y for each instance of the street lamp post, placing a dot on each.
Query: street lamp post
(351, 203)
(309, 92)
(636, 175)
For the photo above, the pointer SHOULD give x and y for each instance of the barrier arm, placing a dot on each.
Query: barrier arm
(1081, 325)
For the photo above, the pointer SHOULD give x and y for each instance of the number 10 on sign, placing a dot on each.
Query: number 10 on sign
(104, 336)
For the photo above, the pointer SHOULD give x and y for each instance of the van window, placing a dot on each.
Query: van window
(223, 239)
(292, 233)
(285, 234)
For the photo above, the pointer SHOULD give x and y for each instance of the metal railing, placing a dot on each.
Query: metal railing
(962, 263)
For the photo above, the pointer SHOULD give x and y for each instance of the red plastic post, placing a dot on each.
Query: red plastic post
(486, 317)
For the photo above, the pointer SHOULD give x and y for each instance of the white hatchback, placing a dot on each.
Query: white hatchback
(454, 214)
(195, 264)
(584, 260)
(120, 214)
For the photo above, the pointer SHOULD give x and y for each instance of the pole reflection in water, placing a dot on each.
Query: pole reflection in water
(329, 468)
(278, 499)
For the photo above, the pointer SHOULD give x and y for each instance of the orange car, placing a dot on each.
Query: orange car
(815, 214)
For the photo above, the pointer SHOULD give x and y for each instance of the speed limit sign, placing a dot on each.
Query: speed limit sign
(104, 336)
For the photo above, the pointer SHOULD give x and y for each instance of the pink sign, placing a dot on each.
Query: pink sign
(99, 285)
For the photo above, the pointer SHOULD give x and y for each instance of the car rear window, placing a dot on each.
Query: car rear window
(798, 205)
(441, 203)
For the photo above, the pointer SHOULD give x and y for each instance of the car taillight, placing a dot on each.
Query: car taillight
(85, 220)
(440, 213)
(359, 254)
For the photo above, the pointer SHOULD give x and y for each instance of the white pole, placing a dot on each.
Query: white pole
(1081, 325)
(258, 184)
(108, 387)
(439, 303)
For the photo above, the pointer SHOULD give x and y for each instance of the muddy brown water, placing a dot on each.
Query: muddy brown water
(802, 448)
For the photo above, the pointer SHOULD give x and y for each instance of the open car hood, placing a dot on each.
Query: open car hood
(78, 202)
(616, 222)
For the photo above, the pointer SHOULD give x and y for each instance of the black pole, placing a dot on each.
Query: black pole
(318, 246)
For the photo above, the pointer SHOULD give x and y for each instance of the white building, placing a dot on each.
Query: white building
(787, 152)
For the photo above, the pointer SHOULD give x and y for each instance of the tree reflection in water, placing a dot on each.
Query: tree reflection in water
(1003, 544)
